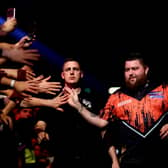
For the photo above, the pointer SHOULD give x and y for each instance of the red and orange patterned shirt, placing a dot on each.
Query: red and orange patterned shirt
(140, 115)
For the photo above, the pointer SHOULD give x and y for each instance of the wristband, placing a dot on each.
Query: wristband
(12, 83)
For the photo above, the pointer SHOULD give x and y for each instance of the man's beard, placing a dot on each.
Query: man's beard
(138, 83)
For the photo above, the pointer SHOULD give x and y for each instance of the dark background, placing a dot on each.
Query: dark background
(99, 33)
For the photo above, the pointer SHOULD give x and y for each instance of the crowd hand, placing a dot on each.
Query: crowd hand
(13, 73)
(29, 102)
(42, 136)
(49, 87)
(40, 126)
(26, 86)
(6, 120)
(38, 79)
(30, 75)
(19, 54)
(55, 103)
(59, 100)
(9, 25)
(24, 42)
(164, 131)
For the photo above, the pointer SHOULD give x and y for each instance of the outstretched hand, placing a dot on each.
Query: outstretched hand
(55, 103)
(49, 87)
(6, 120)
(24, 42)
(8, 26)
(26, 86)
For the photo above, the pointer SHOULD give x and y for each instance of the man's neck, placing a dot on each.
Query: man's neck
(76, 88)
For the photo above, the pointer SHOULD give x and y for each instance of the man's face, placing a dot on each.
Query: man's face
(25, 113)
(135, 73)
(71, 73)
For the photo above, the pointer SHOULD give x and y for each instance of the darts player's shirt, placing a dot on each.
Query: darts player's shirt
(142, 111)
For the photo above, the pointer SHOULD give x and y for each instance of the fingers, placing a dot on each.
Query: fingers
(39, 78)
(26, 102)
(164, 134)
(7, 120)
(30, 75)
(164, 131)
(25, 94)
(31, 54)
(32, 90)
(10, 123)
(27, 62)
(50, 90)
(42, 136)
(48, 78)
(60, 109)
(33, 82)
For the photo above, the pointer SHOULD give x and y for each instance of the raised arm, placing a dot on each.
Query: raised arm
(48, 87)
(20, 52)
(85, 113)
(17, 73)
(8, 26)
(21, 86)
(55, 102)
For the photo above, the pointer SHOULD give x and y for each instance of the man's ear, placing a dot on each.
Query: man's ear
(146, 70)
(62, 75)
(82, 74)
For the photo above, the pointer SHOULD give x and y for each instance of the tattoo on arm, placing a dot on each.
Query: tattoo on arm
(93, 115)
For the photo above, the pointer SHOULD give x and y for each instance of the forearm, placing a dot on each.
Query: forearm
(2, 32)
(90, 117)
(6, 50)
(35, 101)
(11, 73)
(2, 45)
(6, 110)
(41, 102)
(113, 155)
(10, 82)
(5, 46)
(2, 60)
(5, 81)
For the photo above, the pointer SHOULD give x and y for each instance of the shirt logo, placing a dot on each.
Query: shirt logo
(156, 94)
(124, 102)
(87, 103)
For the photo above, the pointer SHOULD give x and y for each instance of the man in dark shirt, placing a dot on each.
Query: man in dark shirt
(75, 142)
